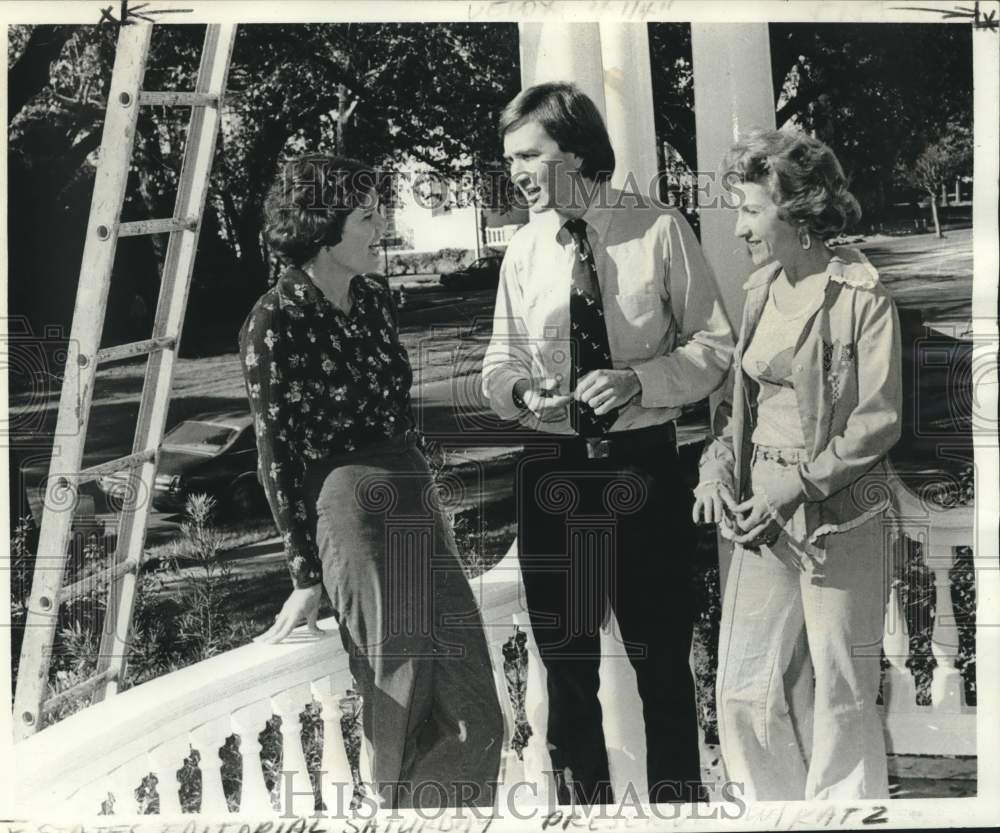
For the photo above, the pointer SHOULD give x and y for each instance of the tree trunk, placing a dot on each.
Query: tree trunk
(251, 258)
(341, 111)
(32, 72)
(934, 216)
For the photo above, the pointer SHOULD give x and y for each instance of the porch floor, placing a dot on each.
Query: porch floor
(910, 776)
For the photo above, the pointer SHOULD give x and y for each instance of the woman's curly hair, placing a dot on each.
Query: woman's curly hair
(309, 201)
(803, 176)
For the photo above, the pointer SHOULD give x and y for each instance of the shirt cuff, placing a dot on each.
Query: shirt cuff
(305, 568)
(653, 393)
(500, 392)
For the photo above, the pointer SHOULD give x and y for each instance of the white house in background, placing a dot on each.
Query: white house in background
(432, 212)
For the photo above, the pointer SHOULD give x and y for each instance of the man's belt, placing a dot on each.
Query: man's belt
(651, 440)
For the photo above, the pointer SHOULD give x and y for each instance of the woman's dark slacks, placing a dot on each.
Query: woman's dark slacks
(411, 627)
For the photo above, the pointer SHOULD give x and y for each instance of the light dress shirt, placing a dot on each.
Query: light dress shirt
(664, 317)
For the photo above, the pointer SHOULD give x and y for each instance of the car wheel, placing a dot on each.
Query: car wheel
(246, 499)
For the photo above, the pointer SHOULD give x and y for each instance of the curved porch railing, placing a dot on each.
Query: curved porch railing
(98, 758)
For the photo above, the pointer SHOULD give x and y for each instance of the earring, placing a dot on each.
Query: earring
(805, 241)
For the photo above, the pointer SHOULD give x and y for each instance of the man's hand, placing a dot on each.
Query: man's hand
(541, 402)
(605, 390)
(301, 606)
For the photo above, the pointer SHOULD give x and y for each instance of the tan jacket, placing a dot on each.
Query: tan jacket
(848, 384)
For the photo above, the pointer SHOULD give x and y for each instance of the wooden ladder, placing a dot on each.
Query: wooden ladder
(84, 355)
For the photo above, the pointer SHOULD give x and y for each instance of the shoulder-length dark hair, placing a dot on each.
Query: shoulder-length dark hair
(309, 201)
(801, 174)
(570, 118)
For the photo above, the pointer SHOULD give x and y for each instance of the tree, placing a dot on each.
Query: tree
(379, 91)
(877, 94)
(673, 87)
(939, 164)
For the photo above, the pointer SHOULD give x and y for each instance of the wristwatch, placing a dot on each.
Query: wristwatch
(516, 397)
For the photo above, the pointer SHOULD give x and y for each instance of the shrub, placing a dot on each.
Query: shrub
(440, 261)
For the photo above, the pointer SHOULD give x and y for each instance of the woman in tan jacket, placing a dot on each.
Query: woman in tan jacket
(795, 478)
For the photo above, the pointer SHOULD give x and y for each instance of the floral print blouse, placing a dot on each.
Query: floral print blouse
(320, 383)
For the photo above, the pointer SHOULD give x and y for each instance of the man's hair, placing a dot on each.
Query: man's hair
(309, 201)
(570, 118)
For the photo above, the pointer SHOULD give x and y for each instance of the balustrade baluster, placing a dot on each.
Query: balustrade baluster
(536, 755)
(164, 762)
(336, 778)
(87, 800)
(208, 739)
(122, 784)
(248, 723)
(365, 768)
(294, 786)
(511, 767)
(899, 690)
(946, 685)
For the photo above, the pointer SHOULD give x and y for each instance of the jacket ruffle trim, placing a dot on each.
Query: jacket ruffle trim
(854, 523)
(847, 266)
(859, 274)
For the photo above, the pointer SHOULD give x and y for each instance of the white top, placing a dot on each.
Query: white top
(768, 360)
(662, 309)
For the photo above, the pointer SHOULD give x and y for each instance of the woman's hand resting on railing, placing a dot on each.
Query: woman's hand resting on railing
(301, 606)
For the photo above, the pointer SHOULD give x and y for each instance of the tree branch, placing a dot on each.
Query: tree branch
(790, 108)
(31, 74)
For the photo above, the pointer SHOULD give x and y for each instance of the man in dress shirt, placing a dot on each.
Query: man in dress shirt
(603, 517)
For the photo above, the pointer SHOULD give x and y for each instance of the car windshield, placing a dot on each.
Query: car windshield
(206, 437)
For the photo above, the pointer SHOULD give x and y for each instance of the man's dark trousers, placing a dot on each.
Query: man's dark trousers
(616, 528)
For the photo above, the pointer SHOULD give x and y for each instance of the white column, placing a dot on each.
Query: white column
(610, 63)
(628, 99)
(732, 93)
(563, 52)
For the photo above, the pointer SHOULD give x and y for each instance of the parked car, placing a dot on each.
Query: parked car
(483, 273)
(214, 453)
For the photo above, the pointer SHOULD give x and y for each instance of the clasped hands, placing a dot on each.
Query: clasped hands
(602, 390)
(748, 523)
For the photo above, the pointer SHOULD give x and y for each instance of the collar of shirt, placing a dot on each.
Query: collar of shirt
(296, 287)
(598, 217)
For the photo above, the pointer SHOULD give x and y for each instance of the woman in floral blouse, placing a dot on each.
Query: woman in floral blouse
(329, 387)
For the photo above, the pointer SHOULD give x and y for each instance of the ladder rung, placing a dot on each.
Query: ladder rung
(110, 467)
(184, 99)
(71, 591)
(135, 348)
(79, 690)
(157, 226)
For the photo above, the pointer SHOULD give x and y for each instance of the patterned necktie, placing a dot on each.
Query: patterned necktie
(588, 332)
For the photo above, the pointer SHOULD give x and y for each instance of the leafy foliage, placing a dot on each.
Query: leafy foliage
(673, 87)
(382, 92)
(877, 94)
